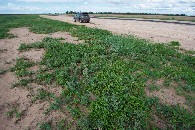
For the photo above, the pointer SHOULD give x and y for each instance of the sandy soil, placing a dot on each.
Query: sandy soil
(155, 32)
(166, 94)
(31, 113)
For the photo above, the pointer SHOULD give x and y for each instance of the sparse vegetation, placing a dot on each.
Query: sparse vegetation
(2, 72)
(114, 69)
(13, 111)
(153, 87)
(175, 43)
(43, 95)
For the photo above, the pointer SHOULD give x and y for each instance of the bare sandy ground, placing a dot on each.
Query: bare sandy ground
(155, 32)
(31, 113)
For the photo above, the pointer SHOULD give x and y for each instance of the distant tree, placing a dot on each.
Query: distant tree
(71, 12)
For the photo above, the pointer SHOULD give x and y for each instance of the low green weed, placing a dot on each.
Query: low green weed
(26, 47)
(13, 110)
(76, 112)
(2, 71)
(44, 78)
(55, 105)
(43, 95)
(22, 63)
(45, 126)
(175, 43)
(23, 72)
(63, 124)
(176, 118)
(23, 83)
(190, 52)
(61, 38)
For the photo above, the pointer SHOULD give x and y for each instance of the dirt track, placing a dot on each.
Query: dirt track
(153, 31)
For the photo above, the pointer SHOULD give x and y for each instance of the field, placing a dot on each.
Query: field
(163, 17)
(157, 31)
(57, 75)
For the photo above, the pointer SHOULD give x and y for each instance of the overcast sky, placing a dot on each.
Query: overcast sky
(133, 6)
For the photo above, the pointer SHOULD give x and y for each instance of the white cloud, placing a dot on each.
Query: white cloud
(134, 6)
(18, 9)
(47, 1)
(155, 1)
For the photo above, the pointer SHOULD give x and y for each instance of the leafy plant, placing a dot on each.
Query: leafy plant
(43, 94)
(21, 64)
(63, 124)
(175, 43)
(2, 71)
(23, 83)
(13, 110)
(61, 38)
(45, 126)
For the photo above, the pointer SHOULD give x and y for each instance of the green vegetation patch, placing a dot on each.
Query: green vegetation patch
(112, 68)
(175, 43)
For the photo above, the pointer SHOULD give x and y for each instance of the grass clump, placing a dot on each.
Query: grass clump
(13, 111)
(43, 95)
(2, 71)
(45, 126)
(21, 66)
(175, 43)
(22, 63)
(175, 117)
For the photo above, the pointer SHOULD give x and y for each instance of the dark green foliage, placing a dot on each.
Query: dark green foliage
(45, 78)
(61, 38)
(45, 126)
(118, 111)
(22, 63)
(175, 43)
(23, 82)
(26, 47)
(2, 72)
(21, 66)
(43, 94)
(63, 124)
(176, 118)
(74, 111)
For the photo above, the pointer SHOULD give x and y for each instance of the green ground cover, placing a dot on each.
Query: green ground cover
(106, 75)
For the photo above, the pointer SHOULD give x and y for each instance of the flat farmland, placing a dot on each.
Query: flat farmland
(181, 18)
(58, 74)
(157, 32)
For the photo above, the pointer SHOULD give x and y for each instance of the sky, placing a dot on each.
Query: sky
(133, 6)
